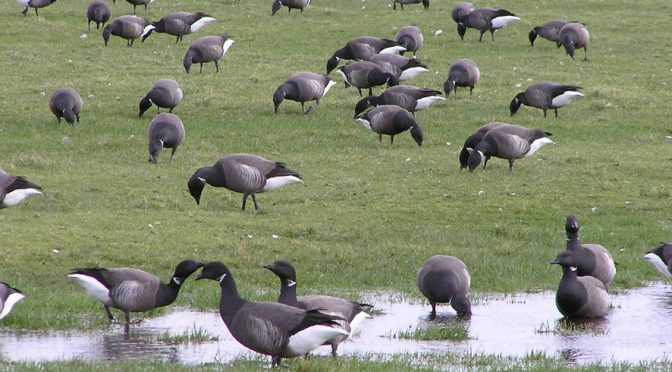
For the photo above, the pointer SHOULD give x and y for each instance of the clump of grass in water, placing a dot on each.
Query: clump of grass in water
(567, 327)
(194, 335)
(451, 332)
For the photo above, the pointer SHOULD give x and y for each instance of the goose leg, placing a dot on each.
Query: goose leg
(217, 66)
(109, 313)
(134, 9)
(481, 38)
(334, 349)
(486, 161)
(145, 9)
(471, 91)
(25, 12)
(244, 199)
(556, 112)
(585, 53)
(433, 314)
(394, 5)
(127, 317)
(492, 34)
(380, 138)
(90, 26)
(360, 92)
(201, 70)
(77, 116)
(177, 39)
(392, 140)
(544, 112)
(275, 361)
(370, 91)
(511, 165)
(171, 154)
(254, 199)
(36, 12)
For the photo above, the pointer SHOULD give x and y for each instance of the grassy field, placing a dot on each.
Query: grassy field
(369, 214)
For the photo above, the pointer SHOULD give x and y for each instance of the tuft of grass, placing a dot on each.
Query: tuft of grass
(568, 326)
(452, 332)
(195, 335)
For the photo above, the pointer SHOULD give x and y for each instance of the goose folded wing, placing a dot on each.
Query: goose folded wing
(512, 146)
(135, 296)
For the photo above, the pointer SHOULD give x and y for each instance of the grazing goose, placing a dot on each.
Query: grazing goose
(364, 74)
(545, 95)
(410, 98)
(290, 4)
(243, 173)
(8, 298)
(549, 31)
(410, 37)
(165, 93)
(462, 73)
(425, 3)
(15, 189)
(135, 3)
(303, 87)
(579, 296)
(207, 49)
(352, 312)
(507, 142)
(132, 290)
(445, 279)
(180, 24)
(485, 19)
(591, 259)
(403, 68)
(99, 11)
(165, 131)
(575, 35)
(362, 49)
(661, 258)
(270, 328)
(391, 120)
(127, 27)
(66, 103)
(34, 4)
(473, 140)
(460, 10)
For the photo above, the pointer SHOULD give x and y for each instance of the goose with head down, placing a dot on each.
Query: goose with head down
(546, 95)
(303, 87)
(408, 97)
(362, 49)
(485, 19)
(391, 120)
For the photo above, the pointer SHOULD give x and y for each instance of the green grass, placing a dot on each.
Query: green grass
(195, 335)
(452, 332)
(369, 213)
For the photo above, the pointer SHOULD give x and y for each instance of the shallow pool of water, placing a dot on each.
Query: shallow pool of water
(637, 328)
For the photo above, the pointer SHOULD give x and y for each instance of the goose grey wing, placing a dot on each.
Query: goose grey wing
(135, 296)
(511, 146)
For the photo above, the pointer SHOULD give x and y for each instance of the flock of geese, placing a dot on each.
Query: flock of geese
(294, 326)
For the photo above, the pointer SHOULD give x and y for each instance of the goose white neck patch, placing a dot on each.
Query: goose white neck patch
(290, 283)
(177, 280)
(221, 278)
(573, 268)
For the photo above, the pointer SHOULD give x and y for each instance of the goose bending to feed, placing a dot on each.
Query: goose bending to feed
(35, 4)
(410, 98)
(507, 142)
(99, 11)
(165, 131)
(352, 312)
(445, 279)
(661, 258)
(9, 296)
(579, 296)
(66, 103)
(590, 259)
(127, 27)
(303, 87)
(290, 4)
(135, 3)
(207, 49)
(362, 49)
(575, 35)
(15, 189)
(460, 10)
(244, 173)
(425, 3)
(410, 37)
(549, 31)
(462, 73)
(165, 93)
(391, 120)
(365, 74)
(270, 328)
(473, 140)
(546, 95)
(403, 68)
(180, 24)
(132, 290)
(485, 19)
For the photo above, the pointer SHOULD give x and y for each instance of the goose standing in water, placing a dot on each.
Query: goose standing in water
(579, 296)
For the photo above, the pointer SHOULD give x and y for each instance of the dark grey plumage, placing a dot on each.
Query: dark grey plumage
(391, 120)
(460, 10)
(290, 4)
(410, 37)
(485, 19)
(661, 258)
(244, 173)
(207, 49)
(445, 279)
(9, 296)
(362, 49)
(36, 4)
(409, 97)
(462, 73)
(590, 259)
(165, 93)
(364, 74)
(180, 23)
(507, 142)
(15, 189)
(473, 140)
(127, 27)
(99, 11)
(549, 31)
(425, 3)
(132, 290)
(66, 103)
(579, 297)
(303, 87)
(164, 131)
(403, 68)
(135, 3)
(545, 95)
(575, 36)
(270, 328)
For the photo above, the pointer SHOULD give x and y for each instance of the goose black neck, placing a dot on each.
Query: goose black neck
(288, 293)
(211, 176)
(573, 242)
(167, 293)
(230, 301)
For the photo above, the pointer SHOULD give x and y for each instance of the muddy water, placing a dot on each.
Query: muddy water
(637, 328)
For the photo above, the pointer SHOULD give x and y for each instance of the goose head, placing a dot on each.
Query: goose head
(283, 269)
(214, 270)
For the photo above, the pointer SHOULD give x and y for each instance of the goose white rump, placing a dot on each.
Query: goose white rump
(565, 98)
(310, 339)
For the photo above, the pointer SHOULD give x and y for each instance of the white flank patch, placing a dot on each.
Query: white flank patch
(392, 50)
(500, 22)
(150, 1)
(310, 339)
(329, 85)
(668, 138)
(93, 287)
(179, 94)
(565, 98)
(23, 2)
(466, 275)
(356, 323)
(364, 122)
(537, 144)
(345, 78)
(427, 101)
(200, 23)
(274, 183)
(412, 72)
(17, 196)
(146, 30)
(655, 260)
(12, 299)
(227, 44)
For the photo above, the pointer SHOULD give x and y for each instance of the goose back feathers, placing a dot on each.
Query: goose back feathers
(460, 10)
(135, 3)
(9, 297)
(661, 258)
(362, 49)
(445, 279)
(127, 27)
(462, 73)
(364, 74)
(508, 142)
(485, 19)
(207, 49)
(66, 103)
(549, 31)
(15, 189)
(35, 4)
(165, 131)
(425, 3)
(99, 11)
(290, 4)
(575, 35)
(579, 296)
(410, 37)
(410, 98)
(165, 93)
(391, 120)
(473, 140)
(589, 259)
(303, 87)
(243, 173)
(180, 23)
(403, 68)
(546, 95)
